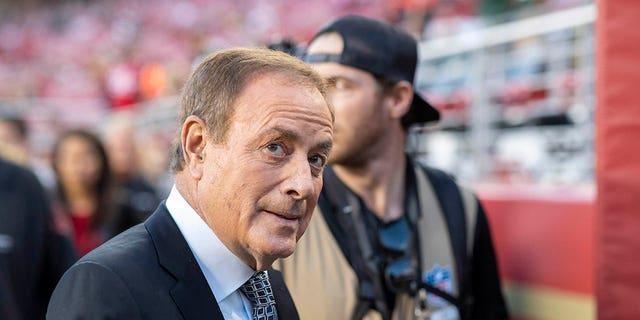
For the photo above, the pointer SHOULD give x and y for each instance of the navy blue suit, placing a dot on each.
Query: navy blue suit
(146, 272)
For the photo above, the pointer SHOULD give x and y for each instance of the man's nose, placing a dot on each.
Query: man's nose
(299, 181)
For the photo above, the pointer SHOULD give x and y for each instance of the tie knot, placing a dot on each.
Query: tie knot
(258, 290)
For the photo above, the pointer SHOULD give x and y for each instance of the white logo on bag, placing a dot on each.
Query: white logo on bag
(441, 278)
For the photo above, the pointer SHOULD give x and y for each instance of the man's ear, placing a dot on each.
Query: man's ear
(399, 99)
(194, 140)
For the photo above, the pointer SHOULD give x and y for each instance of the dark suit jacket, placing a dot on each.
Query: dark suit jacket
(33, 256)
(146, 272)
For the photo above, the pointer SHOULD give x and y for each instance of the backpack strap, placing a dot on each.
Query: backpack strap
(460, 210)
(471, 206)
(343, 213)
(471, 214)
(451, 202)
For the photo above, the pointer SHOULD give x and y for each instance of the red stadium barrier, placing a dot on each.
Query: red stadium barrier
(618, 160)
(544, 240)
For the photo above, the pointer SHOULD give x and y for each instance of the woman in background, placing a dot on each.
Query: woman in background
(83, 206)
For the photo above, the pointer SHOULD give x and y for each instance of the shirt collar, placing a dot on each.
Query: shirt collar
(224, 271)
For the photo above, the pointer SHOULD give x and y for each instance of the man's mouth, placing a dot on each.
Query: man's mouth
(285, 215)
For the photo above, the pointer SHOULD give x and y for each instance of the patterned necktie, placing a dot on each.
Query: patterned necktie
(258, 290)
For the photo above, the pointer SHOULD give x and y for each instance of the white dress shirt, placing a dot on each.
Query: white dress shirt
(225, 272)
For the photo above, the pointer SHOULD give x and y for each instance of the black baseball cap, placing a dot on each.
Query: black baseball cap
(381, 49)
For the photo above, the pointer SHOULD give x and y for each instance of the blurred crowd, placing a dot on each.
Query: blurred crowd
(96, 183)
(92, 187)
(126, 51)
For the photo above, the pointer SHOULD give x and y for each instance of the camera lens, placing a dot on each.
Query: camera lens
(400, 275)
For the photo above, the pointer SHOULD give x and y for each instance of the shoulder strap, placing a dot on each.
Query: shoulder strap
(459, 211)
(452, 206)
(329, 211)
(342, 212)
(336, 206)
(471, 214)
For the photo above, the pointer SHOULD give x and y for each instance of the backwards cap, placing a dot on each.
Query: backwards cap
(384, 51)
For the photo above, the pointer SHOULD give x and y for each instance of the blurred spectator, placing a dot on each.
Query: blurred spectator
(13, 140)
(32, 256)
(14, 146)
(154, 161)
(152, 81)
(136, 197)
(83, 201)
(121, 85)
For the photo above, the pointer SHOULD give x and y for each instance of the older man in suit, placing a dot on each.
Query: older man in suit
(256, 131)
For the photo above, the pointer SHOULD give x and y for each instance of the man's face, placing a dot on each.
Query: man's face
(260, 186)
(359, 110)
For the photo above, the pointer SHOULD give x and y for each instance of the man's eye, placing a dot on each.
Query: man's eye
(317, 160)
(275, 149)
(340, 84)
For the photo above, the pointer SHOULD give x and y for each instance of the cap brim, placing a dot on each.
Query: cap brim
(421, 112)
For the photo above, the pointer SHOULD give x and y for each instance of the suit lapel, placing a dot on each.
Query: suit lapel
(284, 303)
(191, 292)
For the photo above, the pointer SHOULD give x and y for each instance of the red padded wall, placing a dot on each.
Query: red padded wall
(618, 159)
